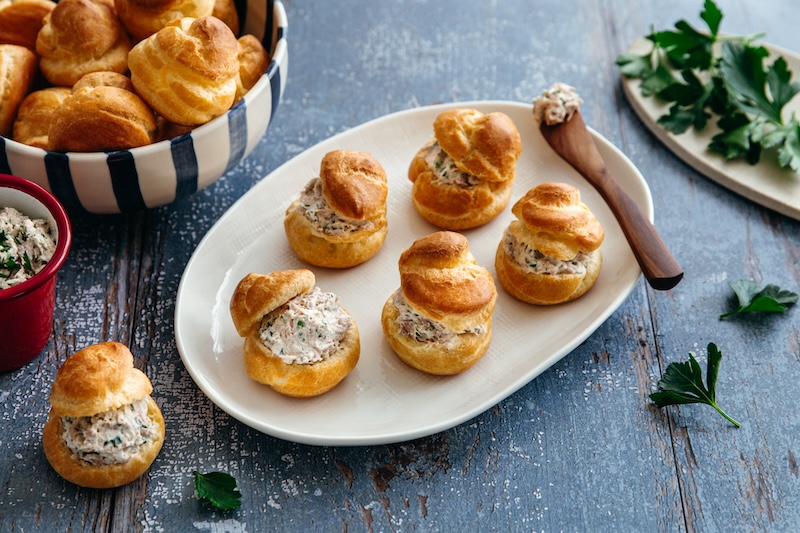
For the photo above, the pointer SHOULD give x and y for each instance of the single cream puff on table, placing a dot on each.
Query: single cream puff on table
(550, 254)
(339, 219)
(440, 319)
(464, 176)
(299, 340)
(104, 429)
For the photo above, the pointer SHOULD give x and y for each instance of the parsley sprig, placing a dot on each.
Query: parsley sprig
(752, 299)
(682, 383)
(219, 489)
(722, 76)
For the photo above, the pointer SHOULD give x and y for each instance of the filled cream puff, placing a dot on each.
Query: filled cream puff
(440, 319)
(463, 177)
(550, 254)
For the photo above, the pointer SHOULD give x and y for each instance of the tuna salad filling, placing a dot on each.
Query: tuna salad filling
(323, 219)
(445, 171)
(307, 329)
(534, 261)
(422, 329)
(112, 437)
(556, 104)
(26, 246)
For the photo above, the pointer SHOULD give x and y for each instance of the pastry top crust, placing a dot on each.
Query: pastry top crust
(257, 295)
(354, 184)
(17, 70)
(253, 63)
(35, 115)
(441, 280)
(204, 45)
(143, 18)
(104, 79)
(556, 222)
(98, 378)
(21, 20)
(486, 146)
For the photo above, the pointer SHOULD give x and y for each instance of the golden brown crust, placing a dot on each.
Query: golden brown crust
(143, 18)
(101, 118)
(35, 116)
(21, 20)
(100, 476)
(255, 296)
(78, 37)
(452, 207)
(187, 71)
(441, 280)
(433, 357)
(544, 289)
(306, 380)
(104, 79)
(225, 10)
(354, 186)
(486, 146)
(96, 379)
(17, 69)
(558, 224)
(253, 63)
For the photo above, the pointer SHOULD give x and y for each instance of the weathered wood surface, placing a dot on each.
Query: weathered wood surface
(577, 449)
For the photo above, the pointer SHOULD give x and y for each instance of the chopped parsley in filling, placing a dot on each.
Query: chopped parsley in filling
(421, 329)
(112, 437)
(323, 219)
(26, 246)
(445, 171)
(307, 329)
(532, 260)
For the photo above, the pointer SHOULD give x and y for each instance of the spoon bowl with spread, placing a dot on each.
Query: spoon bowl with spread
(35, 238)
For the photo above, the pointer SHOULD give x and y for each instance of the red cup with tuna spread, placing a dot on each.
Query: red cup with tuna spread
(28, 299)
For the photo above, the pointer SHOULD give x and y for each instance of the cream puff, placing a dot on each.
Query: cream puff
(440, 319)
(298, 339)
(464, 176)
(339, 219)
(104, 429)
(550, 254)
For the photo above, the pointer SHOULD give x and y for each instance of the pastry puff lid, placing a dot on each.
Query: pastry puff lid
(257, 295)
(441, 280)
(556, 222)
(98, 378)
(353, 184)
(486, 146)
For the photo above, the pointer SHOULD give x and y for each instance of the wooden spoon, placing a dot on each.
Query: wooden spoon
(573, 142)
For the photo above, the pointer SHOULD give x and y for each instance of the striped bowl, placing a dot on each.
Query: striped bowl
(160, 173)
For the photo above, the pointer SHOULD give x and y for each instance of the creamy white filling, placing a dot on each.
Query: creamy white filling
(112, 437)
(422, 329)
(323, 219)
(532, 260)
(556, 104)
(307, 329)
(445, 171)
(26, 246)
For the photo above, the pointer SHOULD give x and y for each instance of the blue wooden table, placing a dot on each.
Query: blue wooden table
(580, 448)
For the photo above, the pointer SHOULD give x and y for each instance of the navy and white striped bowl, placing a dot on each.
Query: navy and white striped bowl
(160, 173)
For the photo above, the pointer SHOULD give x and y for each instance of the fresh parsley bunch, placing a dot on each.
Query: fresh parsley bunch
(722, 76)
(752, 299)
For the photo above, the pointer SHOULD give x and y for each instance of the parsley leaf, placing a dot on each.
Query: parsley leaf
(703, 74)
(682, 383)
(752, 299)
(219, 489)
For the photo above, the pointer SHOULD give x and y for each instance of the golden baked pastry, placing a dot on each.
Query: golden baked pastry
(298, 339)
(104, 79)
(187, 71)
(143, 18)
(81, 36)
(21, 20)
(464, 176)
(339, 220)
(17, 69)
(440, 319)
(35, 116)
(225, 10)
(551, 254)
(104, 429)
(94, 119)
(253, 63)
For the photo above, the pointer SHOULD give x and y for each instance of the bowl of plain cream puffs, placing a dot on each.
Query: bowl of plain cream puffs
(123, 105)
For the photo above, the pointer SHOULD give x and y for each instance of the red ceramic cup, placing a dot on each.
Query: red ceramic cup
(26, 310)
